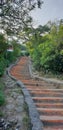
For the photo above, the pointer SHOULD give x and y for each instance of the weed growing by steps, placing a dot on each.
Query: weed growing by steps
(2, 96)
(26, 119)
(1, 113)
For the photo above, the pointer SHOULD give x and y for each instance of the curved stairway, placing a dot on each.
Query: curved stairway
(48, 99)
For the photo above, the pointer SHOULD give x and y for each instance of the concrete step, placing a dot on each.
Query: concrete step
(48, 120)
(45, 94)
(51, 90)
(35, 82)
(48, 99)
(30, 87)
(43, 89)
(49, 105)
(48, 91)
(53, 128)
(35, 88)
(50, 111)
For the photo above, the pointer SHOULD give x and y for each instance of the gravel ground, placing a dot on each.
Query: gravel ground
(14, 115)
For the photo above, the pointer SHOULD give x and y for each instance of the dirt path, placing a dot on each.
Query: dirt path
(48, 97)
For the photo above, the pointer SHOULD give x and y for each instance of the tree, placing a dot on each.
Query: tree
(3, 44)
(15, 13)
(47, 50)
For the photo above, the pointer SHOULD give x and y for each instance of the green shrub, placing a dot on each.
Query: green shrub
(1, 114)
(2, 65)
(2, 98)
(10, 57)
(1, 85)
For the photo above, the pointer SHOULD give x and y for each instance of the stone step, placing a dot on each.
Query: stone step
(48, 120)
(39, 90)
(43, 89)
(50, 90)
(43, 93)
(48, 99)
(51, 111)
(49, 105)
(53, 128)
(33, 82)
(30, 88)
(35, 88)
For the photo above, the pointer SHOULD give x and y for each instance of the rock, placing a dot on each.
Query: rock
(20, 100)
(10, 106)
(14, 95)
(13, 121)
(4, 125)
(19, 109)
(2, 122)
(18, 126)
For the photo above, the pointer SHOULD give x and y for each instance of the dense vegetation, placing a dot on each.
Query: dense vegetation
(2, 97)
(46, 50)
(14, 17)
(6, 58)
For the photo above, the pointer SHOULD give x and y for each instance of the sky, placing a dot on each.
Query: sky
(51, 10)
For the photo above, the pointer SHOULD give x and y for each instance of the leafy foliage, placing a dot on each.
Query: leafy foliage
(2, 65)
(7, 57)
(3, 44)
(15, 13)
(2, 98)
(47, 50)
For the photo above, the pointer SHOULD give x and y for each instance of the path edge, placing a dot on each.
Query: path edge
(33, 113)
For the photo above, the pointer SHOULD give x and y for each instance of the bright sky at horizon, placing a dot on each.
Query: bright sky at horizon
(51, 10)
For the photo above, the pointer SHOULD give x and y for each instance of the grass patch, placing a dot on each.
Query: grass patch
(1, 85)
(2, 96)
(25, 107)
(27, 123)
(1, 113)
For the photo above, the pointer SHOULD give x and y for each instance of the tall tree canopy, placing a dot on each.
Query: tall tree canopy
(15, 13)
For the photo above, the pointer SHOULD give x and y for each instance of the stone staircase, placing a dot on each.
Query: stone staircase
(47, 98)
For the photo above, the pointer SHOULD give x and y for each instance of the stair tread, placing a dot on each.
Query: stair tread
(43, 92)
(53, 128)
(46, 118)
(48, 98)
(50, 89)
(50, 109)
(49, 105)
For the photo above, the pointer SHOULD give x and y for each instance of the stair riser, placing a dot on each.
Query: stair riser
(45, 95)
(47, 101)
(49, 105)
(51, 113)
(54, 123)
